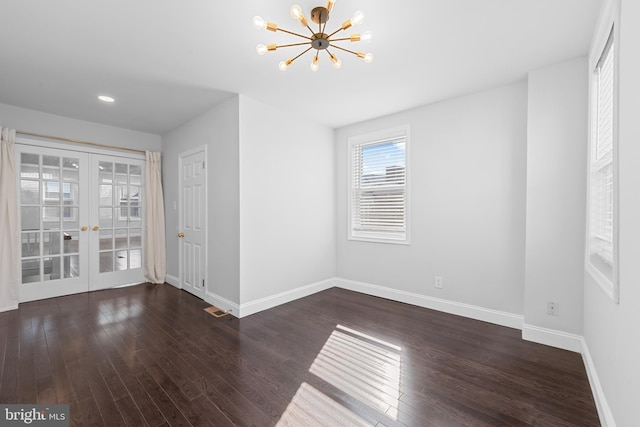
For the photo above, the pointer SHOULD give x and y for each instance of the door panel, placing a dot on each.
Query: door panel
(54, 249)
(192, 223)
(117, 221)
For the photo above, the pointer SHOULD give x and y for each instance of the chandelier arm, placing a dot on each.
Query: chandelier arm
(339, 40)
(335, 32)
(300, 54)
(341, 48)
(294, 34)
(292, 44)
(310, 29)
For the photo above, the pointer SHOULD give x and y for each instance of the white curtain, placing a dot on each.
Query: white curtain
(155, 258)
(9, 250)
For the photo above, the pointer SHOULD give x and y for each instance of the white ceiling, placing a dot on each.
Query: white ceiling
(166, 61)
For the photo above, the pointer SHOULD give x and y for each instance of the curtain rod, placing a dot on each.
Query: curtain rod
(77, 141)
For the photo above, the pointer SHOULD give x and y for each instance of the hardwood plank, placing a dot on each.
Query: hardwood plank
(90, 412)
(75, 415)
(169, 410)
(28, 391)
(130, 412)
(46, 391)
(112, 380)
(181, 401)
(211, 412)
(108, 409)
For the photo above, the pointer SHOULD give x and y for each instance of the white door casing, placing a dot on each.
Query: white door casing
(192, 221)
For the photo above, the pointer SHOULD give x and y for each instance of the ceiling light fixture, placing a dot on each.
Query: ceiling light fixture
(105, 98)
(318, 40)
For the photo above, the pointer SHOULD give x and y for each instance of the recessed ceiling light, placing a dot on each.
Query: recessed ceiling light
(105, 98)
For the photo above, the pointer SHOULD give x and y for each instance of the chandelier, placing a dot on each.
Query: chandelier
(318, 40)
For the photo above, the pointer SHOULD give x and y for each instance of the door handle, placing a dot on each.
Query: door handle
(181, 235)
(83, 228)
(95, 228)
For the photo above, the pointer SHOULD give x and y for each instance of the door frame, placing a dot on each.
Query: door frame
(24, 142)
(181, 156)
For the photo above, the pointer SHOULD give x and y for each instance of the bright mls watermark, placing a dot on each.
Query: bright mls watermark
(34, 415)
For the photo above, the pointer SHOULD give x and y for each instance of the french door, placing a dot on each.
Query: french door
(80, 221)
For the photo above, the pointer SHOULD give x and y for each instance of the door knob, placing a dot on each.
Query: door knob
(83, 228)
(181, 235)
(95, 228)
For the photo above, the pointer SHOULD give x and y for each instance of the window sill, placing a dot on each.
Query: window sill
(377, 239)
(607, 286)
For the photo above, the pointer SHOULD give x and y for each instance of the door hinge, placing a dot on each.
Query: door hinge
(203, 164)
(202, 283)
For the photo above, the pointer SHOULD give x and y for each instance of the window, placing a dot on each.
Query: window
(378, 208)
(601, 243)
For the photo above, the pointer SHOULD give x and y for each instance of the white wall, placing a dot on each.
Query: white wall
(287, 210)
(611, 330)
(270, 198)
(468, 171)
(556, 197)
(218, 129)
(64, 127)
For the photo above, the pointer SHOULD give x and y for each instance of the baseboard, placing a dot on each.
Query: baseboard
(497, 317)
(172, 280)
(604, 411)
(9, 308)
(223, 303)
(261, 304)
(552, 337)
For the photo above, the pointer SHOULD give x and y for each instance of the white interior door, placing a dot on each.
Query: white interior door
(80, 221)
(193, 222)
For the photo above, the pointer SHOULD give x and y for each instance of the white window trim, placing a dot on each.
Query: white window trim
(607, 26)
(380, 237)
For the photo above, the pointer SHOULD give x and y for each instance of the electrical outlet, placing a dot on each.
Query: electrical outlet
(437, 282)
(553, 308)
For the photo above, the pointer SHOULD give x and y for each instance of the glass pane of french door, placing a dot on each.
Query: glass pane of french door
(53, 247)
(118, 221)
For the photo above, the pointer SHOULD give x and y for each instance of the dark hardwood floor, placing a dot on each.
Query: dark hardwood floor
(149, 355)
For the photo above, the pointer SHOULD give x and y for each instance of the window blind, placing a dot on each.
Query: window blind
(602, 173)
(379, 194)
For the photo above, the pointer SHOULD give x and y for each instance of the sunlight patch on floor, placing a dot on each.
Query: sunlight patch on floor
(310, 407)
(362, 366)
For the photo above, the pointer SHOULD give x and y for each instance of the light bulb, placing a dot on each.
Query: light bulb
(314, 64)
(283, 65)
(259, 22)
(366, 36)
(330, 4)
(261, 49)
(337, 63)
(358, 18)
(368, 58)
(296, 11)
